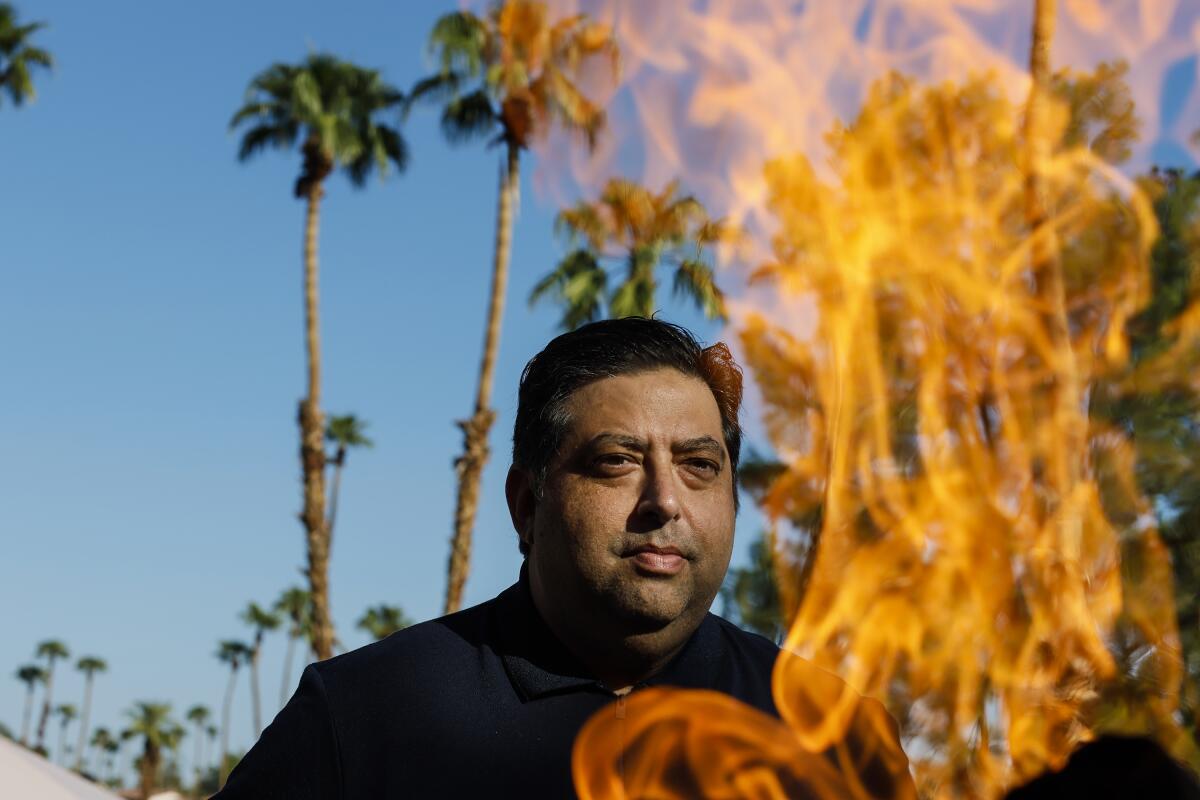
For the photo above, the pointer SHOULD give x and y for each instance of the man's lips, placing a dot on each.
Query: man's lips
(658, 560)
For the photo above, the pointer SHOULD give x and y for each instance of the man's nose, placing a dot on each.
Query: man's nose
(660, 494)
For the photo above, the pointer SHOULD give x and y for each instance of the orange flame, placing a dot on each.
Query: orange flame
(932, 312)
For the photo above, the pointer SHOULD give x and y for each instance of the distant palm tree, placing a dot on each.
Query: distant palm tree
(153, 723)
(111, 747)
(346, 431)
(331, 106)
(51, 650)
(30, 675)
(261, 621)
(99, 744)
(89, 666)
(234, 654)
(198, 715)
(508, 76)
(18, 57)
(382, 621)
(294, 603)
(641, 229)
(66, 715)
(210, 738)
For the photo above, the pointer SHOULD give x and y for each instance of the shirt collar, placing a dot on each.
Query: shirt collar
(538, 664)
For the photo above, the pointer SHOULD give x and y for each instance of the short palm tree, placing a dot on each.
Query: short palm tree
(233, 653)
(152, 722)
(642, 230)
(332, 108)
(18, 57)
(345, 431)
(382, 621)
(30, 675)
(294, 603)
(198, 715)
(261, 621)
(508, 76)
(66, 714)
(51, 650)
(89, 666)
(99, 744)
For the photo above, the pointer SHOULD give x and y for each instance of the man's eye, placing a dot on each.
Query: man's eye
(702, 466)
(613, 460)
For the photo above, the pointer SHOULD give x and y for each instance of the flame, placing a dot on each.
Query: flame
(940, 284)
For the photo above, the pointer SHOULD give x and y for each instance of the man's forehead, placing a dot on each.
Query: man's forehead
(663, 402)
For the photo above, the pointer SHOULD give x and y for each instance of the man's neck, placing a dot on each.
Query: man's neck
(617, 655)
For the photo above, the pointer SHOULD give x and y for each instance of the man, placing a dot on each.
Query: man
(623, 494)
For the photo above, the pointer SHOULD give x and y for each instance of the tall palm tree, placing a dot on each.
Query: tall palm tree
(198, 715)
(234, 654)
(345, 431)
(294, 603)
(89, 666)
(51, 650)
(153, 723)
(261, 621)
(18, 57)
(30, 675)
(641, 229)
(382, 621)
(508, 76)
(66, 715)
(331, 107)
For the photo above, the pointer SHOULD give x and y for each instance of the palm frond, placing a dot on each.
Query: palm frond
(578, 283)
(469, 117)
(458, 42)
(694, 279)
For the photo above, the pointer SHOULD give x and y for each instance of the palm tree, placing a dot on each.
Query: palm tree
(642, 229)
(30, 675)
(66, 715)
(346, 431)
(51, 650)
(198, 715)
(382, 621)
(97, 744)
(232, 653)
(89, 666)
(508, 76)
(330, 106)
(105, 745)
(261, 621)
(294, 603)
(18, 57)
(153, 723)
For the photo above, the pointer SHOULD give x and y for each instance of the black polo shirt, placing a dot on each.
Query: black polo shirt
(482, 703)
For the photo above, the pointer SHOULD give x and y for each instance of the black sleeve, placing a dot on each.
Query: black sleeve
(296, 758)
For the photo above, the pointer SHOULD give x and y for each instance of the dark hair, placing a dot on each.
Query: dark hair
(606, 349)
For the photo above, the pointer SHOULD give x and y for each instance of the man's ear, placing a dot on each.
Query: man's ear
(522, 502)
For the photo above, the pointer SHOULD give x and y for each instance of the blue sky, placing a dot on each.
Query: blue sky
(151, 310)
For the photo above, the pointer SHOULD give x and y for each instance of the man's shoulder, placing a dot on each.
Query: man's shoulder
(425, 647)
(750, 645)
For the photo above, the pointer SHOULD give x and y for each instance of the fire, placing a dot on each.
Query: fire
(941, 285)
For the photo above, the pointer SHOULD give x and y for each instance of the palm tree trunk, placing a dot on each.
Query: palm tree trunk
(475, 430)
(27, 717)
(255, 699)
(287, 669)
(46, 700)
(198, 757)
(149, 770)
(225, 712)
(1065, 466)
(312, 445)
(83, 721)
(60, 750)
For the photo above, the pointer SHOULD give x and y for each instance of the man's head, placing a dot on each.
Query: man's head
(623, 485)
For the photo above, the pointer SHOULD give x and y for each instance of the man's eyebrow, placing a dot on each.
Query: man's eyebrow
(623, 440)
(700, 444)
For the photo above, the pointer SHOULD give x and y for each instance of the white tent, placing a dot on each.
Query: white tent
(24, 774)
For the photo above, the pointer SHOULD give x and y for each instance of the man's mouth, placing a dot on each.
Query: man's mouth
(654, 560)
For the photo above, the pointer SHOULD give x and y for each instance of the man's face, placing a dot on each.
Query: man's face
(636, 517)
